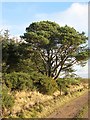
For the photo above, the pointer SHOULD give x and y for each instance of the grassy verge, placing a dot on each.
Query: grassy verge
(82, 112)
(45, 109)
(60, 101)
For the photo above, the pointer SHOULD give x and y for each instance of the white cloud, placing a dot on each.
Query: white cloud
(14, 30)
(76, 16)
(82, 72)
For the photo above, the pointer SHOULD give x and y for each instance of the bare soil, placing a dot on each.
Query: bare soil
(71, 109)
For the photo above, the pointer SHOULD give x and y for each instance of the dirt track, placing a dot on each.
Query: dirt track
(71, 109)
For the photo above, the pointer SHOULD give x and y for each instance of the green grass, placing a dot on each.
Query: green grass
(82, 112)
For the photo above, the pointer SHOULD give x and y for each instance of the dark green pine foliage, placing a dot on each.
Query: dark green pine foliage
(55, 49)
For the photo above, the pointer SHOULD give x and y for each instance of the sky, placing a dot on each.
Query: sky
(16, 16)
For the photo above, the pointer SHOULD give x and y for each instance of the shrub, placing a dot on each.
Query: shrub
(43, 83)
(48, 85)
(18, 81)
(7, 99)
(73, 81)
(62, 84)
(34, 80)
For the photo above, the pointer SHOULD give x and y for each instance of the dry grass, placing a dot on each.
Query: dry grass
(34, 104)
(60, 101)
(28, 99)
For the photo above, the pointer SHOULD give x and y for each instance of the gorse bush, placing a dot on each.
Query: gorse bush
(18, 81)
(34, 80)
(49, 85)
(72, 81)
(37, 81)
(63, 83)
(46, 84)
(43, 83)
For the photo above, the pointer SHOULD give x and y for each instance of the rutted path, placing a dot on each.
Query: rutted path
(71, 109)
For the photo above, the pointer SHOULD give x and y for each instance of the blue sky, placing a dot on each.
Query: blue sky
(16, 16)
(27, 11)
(19, 13)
